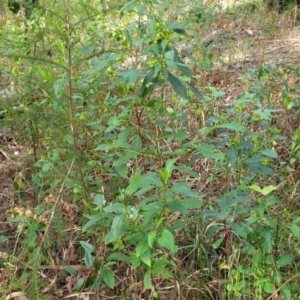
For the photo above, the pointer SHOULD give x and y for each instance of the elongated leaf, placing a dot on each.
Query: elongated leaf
(123, 159)
(193, 203)
(142, 247)
(87, 246)
(286, 293)
(108, 278)
(170, 165)
(178, 86)
(136, 144)
(167, 240)
(254, 164)
(295, 230)
(3, 239)
(118, 229)
(119, 257)
(269, 153)
(93, 220)
(208, 151)
(178, 28)
(151, 178)
(182, 189)
(285, 260)
(122, 170)
(99, 199)
(233, 126)
(232, 155)
(177, 206)
(88, 258)
(182, 66)
(71, 271)
(268, 241)
(130, 76)
(195, 90)
(148, 280)
(151, 237)
(268, 189)
(79, 285)
(146, 258)
(239, 229)
(269, 288)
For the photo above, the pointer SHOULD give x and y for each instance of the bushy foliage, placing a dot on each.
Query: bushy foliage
(157, 169)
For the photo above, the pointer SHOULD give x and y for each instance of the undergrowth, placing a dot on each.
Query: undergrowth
(160, 158)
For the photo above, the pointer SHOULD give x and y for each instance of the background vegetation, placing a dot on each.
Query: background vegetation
(149, 150)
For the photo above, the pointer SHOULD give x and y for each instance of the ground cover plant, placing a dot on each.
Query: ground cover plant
(149, 150)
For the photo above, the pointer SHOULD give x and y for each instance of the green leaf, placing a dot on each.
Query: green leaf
(187, 171)
(233, 126)
(181, 189)
(130, 76)
(117, 208)
(194, 90)
(142, 247)
(93, 220)
(119, 257)
(267, 236)
(193, 203)
(180, 136)
(254, 164)
(148, 280)
(217, 243)
(269, 287)
(3, 239)
(286, 293)
(79, 285)
(136, 144)
(123, 159)
(46, 167)
(87, 247)
(71, 271)
(268, 189)
(151, 178)
(99, 199)
(159, 268)
(285, 260)
(269, 153)
(208, 151)
(164, 175)
(178, 86)
(146, 258)
(265, 191)
(178, 28)
(151, 237)
(255, 188)
(177, 206)
(122, 170)
(295, 230)
(232, 155)
(167, 240)
(117, 230)
(32, 236)
(181, 65)
(239, 229)
(124, 136)
(88, 258)
(170, 165)
(108, 277)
